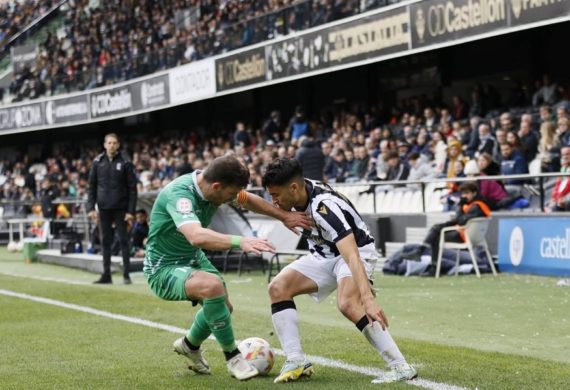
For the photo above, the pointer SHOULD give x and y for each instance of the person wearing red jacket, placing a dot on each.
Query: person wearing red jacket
(560, 200)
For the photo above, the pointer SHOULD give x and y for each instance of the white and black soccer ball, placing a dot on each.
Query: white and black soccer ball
(258, 353)
(12, 246)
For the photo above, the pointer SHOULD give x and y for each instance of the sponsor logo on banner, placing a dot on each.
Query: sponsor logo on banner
(24, 55)
(443, 20)
(73, 109)
(150, 93)
(20, 117)
(528, 11)
(193, 81)
(241, 69)
(110, 102)
(535, 245)
(369, 37)
(516, 246)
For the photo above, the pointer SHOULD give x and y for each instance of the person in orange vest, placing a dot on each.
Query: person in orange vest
(471, 205)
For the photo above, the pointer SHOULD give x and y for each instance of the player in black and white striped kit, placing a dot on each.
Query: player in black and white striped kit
(342, 257)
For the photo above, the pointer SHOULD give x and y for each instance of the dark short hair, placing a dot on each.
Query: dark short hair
(114, 135)
(469, 187)
(140, 211)
(281, 171)
(413, 156)
(227, 170)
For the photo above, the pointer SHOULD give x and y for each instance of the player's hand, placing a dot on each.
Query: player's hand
(256, 245)
(295, 219)
(92, 214)
(375, 313)
(129, 217)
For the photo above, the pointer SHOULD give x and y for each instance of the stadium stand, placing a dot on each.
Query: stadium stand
(102, 43)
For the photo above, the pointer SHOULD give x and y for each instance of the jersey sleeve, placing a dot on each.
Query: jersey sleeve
(328, 215)
(181, 209)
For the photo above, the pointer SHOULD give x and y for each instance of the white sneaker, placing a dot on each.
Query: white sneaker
(197, 362)
(294, 369)
(399, 372)
(240, 369)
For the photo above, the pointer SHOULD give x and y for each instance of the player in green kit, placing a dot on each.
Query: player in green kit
(177, 269)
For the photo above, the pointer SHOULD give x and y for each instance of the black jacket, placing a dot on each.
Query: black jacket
(311, 159)
(112, 184)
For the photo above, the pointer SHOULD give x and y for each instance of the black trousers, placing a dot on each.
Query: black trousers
(432, 239)
(106, 218)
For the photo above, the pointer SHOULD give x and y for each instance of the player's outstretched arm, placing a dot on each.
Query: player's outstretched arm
(211, 240)
(290, 219)
(349, 252)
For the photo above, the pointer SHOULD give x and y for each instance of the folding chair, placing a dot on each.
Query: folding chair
(475, 232)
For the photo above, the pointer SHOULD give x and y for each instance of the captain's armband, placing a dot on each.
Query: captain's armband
(241, 198)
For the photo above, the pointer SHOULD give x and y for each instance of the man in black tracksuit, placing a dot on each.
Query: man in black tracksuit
(112, 186)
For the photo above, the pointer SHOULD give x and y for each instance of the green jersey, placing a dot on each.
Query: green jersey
(179, 203)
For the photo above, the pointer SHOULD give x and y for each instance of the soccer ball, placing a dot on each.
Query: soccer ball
(258, 353)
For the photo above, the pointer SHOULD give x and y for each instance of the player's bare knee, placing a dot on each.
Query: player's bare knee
(214, 288)
(348, 307)
(277, 290)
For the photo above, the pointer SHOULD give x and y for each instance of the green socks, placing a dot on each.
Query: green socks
(217, 316)
(199, 331)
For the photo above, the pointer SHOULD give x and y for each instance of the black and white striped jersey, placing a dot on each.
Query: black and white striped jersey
(335, 217)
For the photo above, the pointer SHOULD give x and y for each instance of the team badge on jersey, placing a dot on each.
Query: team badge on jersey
(323, 210)
(184, 206)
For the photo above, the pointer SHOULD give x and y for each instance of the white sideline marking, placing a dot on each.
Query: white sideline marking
(46, 278)
(369, 371)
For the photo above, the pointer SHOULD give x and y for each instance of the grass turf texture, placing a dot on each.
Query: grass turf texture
(511, 332)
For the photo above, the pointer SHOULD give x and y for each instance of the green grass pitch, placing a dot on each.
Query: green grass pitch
(509, 332)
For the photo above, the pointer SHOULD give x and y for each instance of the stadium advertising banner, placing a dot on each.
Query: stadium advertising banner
(528, 11)
(66, 110)
(111, 102)
(535, 246)
(150, 93)
(439, 21)
(193, 81)
(371, 36)
(21, 117)
(247, 67)
(24, 55)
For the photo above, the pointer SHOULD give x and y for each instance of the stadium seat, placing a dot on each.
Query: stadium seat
(475, 232)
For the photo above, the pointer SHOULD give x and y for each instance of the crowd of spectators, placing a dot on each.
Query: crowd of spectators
(104, 42)
(355, 144)
(15, 16)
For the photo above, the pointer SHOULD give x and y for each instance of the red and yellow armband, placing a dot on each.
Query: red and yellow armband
(241, 198)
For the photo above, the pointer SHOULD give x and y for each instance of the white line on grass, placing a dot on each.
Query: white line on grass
(46, 278)
(370, 371)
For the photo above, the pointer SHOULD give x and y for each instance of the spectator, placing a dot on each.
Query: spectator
(529, 141)
(547, 93)
(563, 131)
(560, 200)
(273, 129)
(299, 126)
(48, 193)
(512, 163)
(311, 158)
(548, 148)
(112, 187)
(460, 108)
(471, 206)
(139, 233)
(420, 169)
(241, 136)
(487, 142)
(490, 190)
(397, 170)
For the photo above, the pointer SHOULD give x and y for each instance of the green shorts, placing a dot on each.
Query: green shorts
(168, 281)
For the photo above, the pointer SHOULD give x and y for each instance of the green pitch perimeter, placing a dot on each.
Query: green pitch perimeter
(509, 332)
